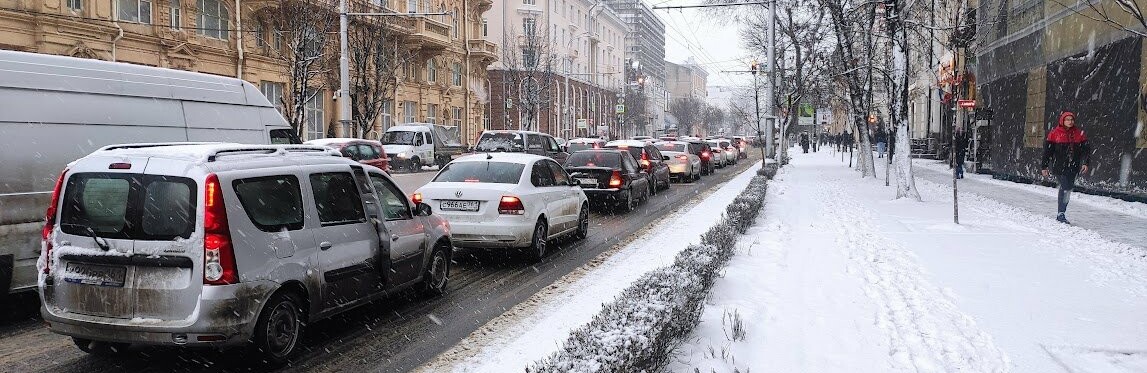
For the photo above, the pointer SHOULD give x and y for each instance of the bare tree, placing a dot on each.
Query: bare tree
(898, 116)
(303, 29)
(689, 112)
(530, 60)
(741, 115)
(850, 27)
(714, 118)
(375, 55)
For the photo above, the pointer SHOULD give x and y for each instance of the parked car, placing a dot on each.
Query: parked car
(226, 244)
(580, 144)
(507, 200)
(521, 142)
(610, 177)
(414, 145)
(650, 159)
(683, 166)
(699, 149)
(57, 109)
(364, 151)
(731, 151)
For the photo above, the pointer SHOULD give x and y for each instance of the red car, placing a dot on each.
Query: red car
(367, 152)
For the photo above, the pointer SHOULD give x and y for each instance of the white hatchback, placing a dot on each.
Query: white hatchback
(507, 200)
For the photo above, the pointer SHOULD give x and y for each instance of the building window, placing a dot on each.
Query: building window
(76, 5)
(529, 27)
(485, 27)
(176, 14)
(387, 119)
(276, 38)
(260, 40)
(212, 19)
(274, 93)
(431, 72)
(411, 110)
(454, 17)
(529, 2)
(138, 11)
(431, 113)
(456, 115)
(411, 6)
(529, 58)
(456, 75)
(313, 116)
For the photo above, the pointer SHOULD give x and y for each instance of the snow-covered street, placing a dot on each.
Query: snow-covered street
(838, 277)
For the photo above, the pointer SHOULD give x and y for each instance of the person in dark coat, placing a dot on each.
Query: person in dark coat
(1066, 154)
(804, 141)
(961, 148)
(881, 142)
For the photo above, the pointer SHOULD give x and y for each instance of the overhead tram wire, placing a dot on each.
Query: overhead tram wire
(695, 48)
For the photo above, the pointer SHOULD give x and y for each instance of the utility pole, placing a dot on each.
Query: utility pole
(757, 101)
(774, 78)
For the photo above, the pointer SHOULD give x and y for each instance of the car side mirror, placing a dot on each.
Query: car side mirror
(422, 209)
(665, 157)
(574, 182)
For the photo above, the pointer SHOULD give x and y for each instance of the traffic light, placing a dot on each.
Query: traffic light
(756, 66)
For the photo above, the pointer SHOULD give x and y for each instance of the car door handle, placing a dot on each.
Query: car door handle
(325, 245)
(394, 237)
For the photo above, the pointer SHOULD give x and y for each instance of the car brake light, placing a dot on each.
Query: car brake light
(119, 166)
(615, 179)
(705, 154)
(644, 160)
(510, 205)
(218, 252)
(50, 222)
(416, 198)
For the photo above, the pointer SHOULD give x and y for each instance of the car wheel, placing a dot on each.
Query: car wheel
(628, 204)
(582, 224)
(100, 348)
(538, 245)
(437, 273)
(279, 328)
(415, 165)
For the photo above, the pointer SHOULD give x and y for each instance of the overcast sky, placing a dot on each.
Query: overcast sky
(715, 45)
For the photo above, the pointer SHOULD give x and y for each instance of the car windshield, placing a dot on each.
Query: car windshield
(672, 147)
(398, 137)
(492, 142)
(594, 159)
(481, 172)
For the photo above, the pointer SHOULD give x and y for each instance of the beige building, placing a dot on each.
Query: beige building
(443, 83)
(686, 80)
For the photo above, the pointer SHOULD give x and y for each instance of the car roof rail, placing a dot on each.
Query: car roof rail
(152, 145)
(214, 154)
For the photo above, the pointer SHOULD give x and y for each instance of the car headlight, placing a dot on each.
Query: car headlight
(404, 155)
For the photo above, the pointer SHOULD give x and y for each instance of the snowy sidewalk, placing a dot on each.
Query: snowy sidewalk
(837, 277)
(1114, 219)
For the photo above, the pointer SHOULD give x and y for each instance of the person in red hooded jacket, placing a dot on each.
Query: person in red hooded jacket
(1065, 154)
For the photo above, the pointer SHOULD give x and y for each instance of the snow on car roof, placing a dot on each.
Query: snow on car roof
(206, 152)
(408, 128)
(633, 143)
(523, 158)
(330, 141)
(586, 139)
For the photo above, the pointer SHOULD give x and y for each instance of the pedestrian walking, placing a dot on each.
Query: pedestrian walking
(961, 145)
(881, 142)
(804, 141)
(1066, 154)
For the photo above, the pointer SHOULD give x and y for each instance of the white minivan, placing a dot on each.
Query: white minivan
(225, 244)
(56, 109)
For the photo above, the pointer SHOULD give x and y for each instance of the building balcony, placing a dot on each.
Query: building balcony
(429, 34)
(483, 50)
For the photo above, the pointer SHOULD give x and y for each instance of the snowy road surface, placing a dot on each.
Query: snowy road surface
(837, 277)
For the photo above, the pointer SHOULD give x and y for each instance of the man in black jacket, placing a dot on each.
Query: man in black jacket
(1066, 153)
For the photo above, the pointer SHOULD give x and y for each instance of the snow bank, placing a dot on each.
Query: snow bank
(640, 328)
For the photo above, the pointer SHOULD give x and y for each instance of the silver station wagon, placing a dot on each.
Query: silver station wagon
(226, 244)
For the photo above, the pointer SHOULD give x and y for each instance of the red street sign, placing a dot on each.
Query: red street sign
(966, 103)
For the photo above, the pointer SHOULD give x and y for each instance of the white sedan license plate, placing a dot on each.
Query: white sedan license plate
(454, 205)
(588, 182)
(98, 275)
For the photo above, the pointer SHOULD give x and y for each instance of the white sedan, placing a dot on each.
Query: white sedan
(507, 200)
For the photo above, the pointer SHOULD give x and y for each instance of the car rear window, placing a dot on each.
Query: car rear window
(577, 146)
(672, 147)
(635, 151)
(273, 203)
(594, 159)
(129, 206)
(481, 172)
(501, 141)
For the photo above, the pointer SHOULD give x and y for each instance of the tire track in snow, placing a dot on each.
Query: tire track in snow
(927, 332)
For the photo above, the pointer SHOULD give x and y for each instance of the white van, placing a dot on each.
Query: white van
(56, 109)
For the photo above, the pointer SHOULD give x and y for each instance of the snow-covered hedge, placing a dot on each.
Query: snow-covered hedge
(639, 329)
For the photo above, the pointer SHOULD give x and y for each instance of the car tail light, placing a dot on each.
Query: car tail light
(705, 154)
(510, 205)
(682, 157)
(615, 179)
(119, 166)
(50, 222)
(416, 198)
(218, 252)
(645, 160)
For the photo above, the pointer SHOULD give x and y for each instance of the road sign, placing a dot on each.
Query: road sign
(967, 104)
(581, 124)
(620, 108)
